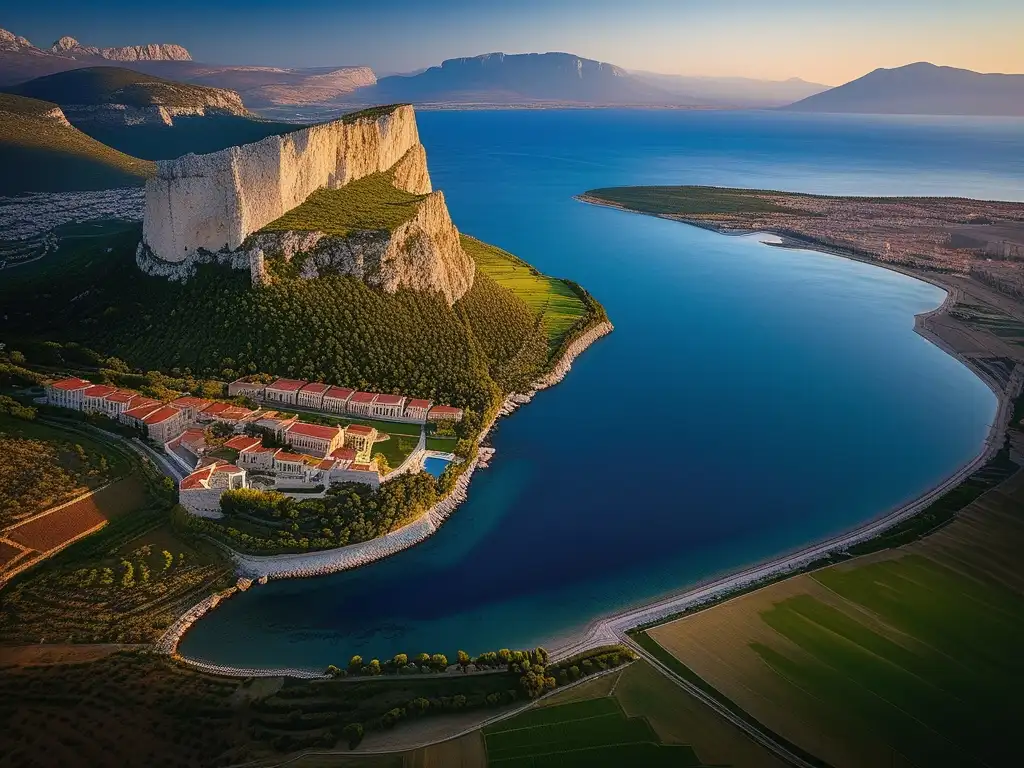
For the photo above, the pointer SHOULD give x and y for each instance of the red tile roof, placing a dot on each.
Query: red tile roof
(293, 457)
(344, 454)
(418, 404)
(121, 396)
(160, 415)
(339, 393)
(99, 390)
(214, 409)
(142, 411)
(69, 385)
(363, 397)
(229, 468)
(362, 468)
(141, 401)
(313, 430)
(359, 429)
(389, 400)
(190, 402)
(447, 410)
(243, 442)
(316, 388)
(191, 435)
(287, 385)
(260, 449)
(235, 413)
(326, 464)
(196, 479)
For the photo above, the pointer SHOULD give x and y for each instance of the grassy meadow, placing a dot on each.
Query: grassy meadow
(903, 657)
(550, 297)
(688, 200)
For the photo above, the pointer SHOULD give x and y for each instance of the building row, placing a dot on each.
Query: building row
(344, 401)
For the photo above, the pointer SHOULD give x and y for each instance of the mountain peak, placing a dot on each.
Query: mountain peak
(923, 88)
(64, 44)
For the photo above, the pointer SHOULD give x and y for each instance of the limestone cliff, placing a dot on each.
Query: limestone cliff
(68, 46)
(421, 254)
(214, 202)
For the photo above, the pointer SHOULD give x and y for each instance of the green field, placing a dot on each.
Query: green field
(371, 203)
(396, 448)
(559, 304)
(442, 444)
(688, 200)
(587, 733)
(38, 154)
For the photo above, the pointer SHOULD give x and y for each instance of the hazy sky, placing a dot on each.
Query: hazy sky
(828, 41)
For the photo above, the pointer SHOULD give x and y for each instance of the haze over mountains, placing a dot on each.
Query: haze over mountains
(923, 89)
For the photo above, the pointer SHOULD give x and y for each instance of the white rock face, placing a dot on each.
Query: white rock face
(214, 202)
(68, 46)
(423, 254)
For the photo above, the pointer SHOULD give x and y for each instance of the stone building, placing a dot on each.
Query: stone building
(336, 399)
(312, 396)
(388, 406)
(245, 388)
(190, 406)
(67, 393)
(361, 403)
(314, 439)
(416, 410)
(200, 492)
(164, 423)
(360, 438)
(444, 413)
(93, 398)
(284, 391)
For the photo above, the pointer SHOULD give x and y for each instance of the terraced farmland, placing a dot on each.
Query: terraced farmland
(905, 657)
(549, 296)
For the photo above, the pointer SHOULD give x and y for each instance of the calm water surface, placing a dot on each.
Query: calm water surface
(751, 400)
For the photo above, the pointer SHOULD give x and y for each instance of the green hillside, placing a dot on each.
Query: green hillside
(93, 86)
(112, 85)
(333, 328)
(39, 154)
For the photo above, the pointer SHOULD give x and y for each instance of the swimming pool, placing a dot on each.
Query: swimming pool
(435, 465)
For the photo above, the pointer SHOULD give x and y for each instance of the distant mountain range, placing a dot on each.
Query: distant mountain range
(734, 91)
(923, 89)
(21, 61)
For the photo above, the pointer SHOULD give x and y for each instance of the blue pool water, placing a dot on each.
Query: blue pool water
(435, 466)
(774, 397)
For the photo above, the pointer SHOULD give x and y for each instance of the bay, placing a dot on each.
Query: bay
(751, 400)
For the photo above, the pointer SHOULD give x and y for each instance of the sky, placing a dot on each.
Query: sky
(825, 41)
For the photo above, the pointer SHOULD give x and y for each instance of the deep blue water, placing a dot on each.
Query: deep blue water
(751, 400)
(435, 466)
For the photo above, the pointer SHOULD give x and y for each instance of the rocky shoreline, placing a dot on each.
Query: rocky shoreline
(291, 566)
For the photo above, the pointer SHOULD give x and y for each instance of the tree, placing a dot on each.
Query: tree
(181, 559)
(168, 560)
(419, 705)
(221, 429)
(374, 667)
(400, 660)
(505, 655)
(439, 662)
(107, 576)
(128, 577)
(464, 661)
(355, 664)
(382, 463)
(143, 573)
(353, 733)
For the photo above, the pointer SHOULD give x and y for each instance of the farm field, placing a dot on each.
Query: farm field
(54, 529)
(903, 657)
(45, 466)
(547, 296)
(595, 732)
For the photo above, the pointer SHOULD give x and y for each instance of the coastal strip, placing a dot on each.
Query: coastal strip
(305, 565)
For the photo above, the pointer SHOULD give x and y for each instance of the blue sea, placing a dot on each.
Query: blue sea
(751, 401)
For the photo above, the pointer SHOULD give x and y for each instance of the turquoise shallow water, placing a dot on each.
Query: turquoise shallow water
(751, 400)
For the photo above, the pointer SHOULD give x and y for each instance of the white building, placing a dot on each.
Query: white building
(314, 439)
(200, 492)
(190, 406)
(67, 393)
(284, 391)
(444, 413)
(416, 410)
(312, 396)
(389, 406)
(244, 388)
(164, 423)
(93, 398)
(361, 403)
(336, 399)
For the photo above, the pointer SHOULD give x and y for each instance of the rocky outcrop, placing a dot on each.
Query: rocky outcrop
(311, 89)
(155, 103)
(214, 202)
(68, 46)
(410, 173)
(423, 254)
(12, 42)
